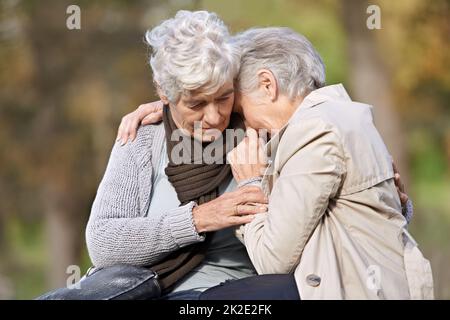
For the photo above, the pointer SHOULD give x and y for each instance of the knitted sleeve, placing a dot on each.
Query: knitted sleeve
(118, 231)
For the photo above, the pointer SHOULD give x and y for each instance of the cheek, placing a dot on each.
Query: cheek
(193, 115)
(225, 111)
(227, 108)
(175, 114)
(251, 117)
(190, 119)
(185, 117)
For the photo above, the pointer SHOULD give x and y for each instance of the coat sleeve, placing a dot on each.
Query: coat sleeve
(311, 167)
(117, 232)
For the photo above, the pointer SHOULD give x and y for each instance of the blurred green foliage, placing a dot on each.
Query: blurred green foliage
(63, 93)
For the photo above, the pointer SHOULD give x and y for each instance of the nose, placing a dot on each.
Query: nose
(212, 116)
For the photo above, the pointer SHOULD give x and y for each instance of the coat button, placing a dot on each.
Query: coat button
(313, 280)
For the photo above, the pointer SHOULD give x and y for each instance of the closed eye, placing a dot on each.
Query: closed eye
(197, 105)
(224, 98)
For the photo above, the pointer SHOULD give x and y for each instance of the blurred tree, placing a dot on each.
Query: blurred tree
(370, 79)
(62, 94)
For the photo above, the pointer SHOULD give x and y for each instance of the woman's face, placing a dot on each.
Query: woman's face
(258, 112)
(204, 116)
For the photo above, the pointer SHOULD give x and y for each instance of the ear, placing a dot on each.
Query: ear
(161, 95)
(268, 83)
(164, 99)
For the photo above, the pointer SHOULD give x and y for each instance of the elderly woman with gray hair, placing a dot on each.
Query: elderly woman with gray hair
(334, 218)
(178, 217)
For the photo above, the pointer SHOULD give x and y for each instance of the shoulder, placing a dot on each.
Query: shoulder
(148, 142)
(345, 117)
(147, 134)
(309, 126)
(313, 138)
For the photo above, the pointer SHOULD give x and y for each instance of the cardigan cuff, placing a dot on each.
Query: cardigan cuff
(182, 225)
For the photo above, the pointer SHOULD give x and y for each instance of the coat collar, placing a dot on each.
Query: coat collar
(335, 92)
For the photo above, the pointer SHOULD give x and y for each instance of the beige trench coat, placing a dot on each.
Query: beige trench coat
(334, 214)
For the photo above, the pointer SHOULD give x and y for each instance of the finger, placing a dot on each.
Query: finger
(124, 123)
(399, 192)
(398, 182)
(152, 118)
(252, 134)
(156, 106)
(245, 209)
(402, 195)
(133, 129)
(397, 179)
(250, 189)
(147, 120)
(394, 166)
(124, 137)
(122, 126)
(404, 198)
(133, 134)
(119, 132)
(253, 196)
(240, 152)
(238, 220)
(159, 105)
(150, 107)
(126, 134)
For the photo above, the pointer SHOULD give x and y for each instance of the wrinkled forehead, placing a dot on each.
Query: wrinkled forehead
(205, 94)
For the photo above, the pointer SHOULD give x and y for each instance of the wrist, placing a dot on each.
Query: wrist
(250, 182)
(196, 217)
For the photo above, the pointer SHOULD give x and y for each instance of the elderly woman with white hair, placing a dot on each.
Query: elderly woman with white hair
(166, 209)
(334, 218)
(177, 218)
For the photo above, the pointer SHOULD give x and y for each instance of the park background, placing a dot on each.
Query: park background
(63, 93)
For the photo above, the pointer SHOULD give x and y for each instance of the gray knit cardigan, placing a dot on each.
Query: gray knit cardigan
(119, 230)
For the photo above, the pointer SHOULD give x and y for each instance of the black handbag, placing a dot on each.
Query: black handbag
(118, 282)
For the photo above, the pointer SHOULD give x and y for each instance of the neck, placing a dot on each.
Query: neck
(292, 106)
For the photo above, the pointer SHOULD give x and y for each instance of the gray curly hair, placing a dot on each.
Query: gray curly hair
(192, 51)
(292, 59)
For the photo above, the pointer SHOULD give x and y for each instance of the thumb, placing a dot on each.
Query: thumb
(152, 118)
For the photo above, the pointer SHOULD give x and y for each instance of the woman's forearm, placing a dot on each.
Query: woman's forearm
(140, 240)
(118, 231)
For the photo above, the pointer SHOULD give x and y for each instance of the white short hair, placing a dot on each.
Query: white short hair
(192, 51)
(296, 65)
